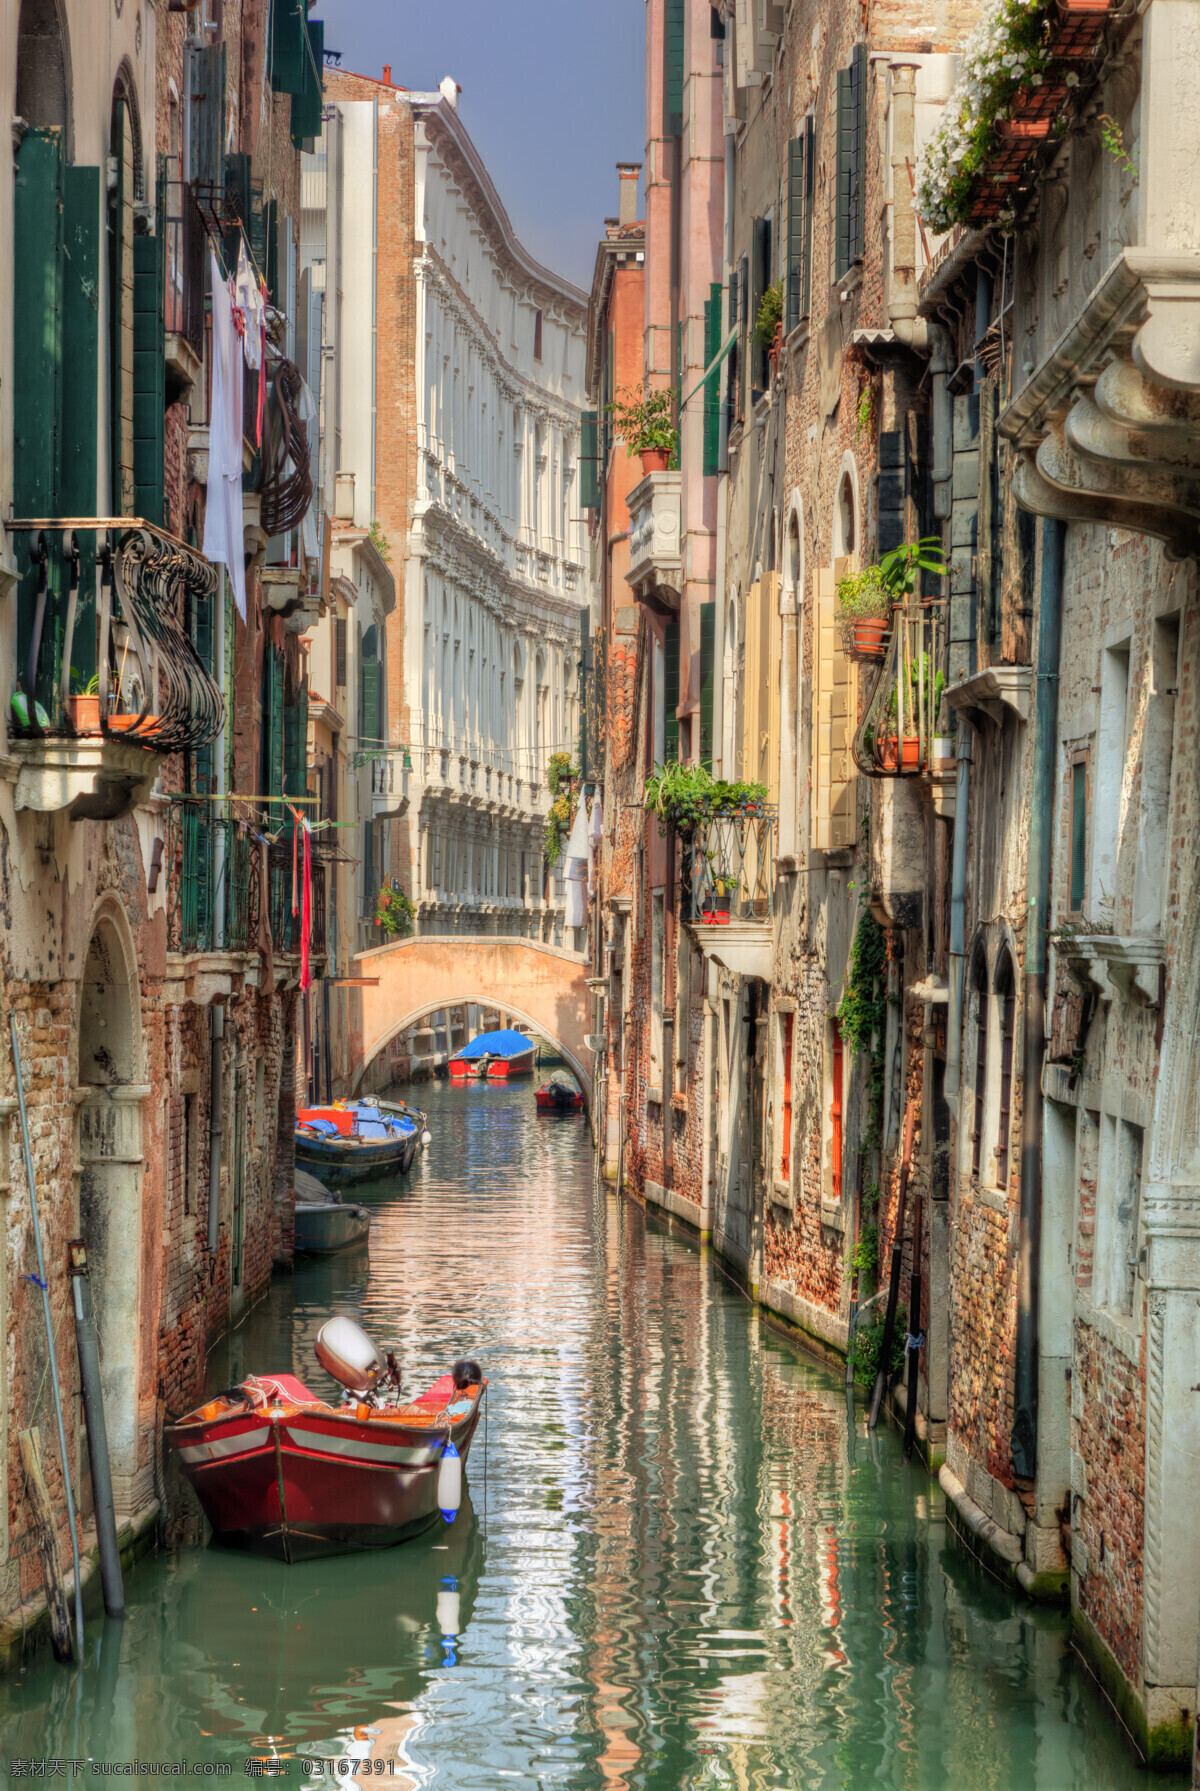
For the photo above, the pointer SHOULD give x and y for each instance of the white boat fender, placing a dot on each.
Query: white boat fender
(449, 1489)
(427, 1136)
(448, 1607)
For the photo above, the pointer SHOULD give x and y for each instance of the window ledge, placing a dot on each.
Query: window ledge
(679, 1101)
(1113, 964)
(798, 338)
(833, 1214)
(781, 1193)
(655, 1095)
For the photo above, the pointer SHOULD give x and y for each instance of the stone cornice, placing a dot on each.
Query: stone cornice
(454, 548)
(449, 137)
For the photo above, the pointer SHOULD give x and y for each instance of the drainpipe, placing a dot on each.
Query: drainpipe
(214, 1127)
(958, 904)
(919, 333)
(1025, 1386)
(97, 1436)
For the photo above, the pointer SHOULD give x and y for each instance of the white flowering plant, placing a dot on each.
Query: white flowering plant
(1008, 50)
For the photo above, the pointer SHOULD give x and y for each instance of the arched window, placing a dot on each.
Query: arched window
(41, 67)
(845, 517)
(1006, 1007)
(980, 985)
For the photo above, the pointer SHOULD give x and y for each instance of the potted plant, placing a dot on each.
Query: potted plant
(770, 316)
(83, 707)
(645, 419)
(716, 909)
(904, 754)
(393, 911)
(864, 605)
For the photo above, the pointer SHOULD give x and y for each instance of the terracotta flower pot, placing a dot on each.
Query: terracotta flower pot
(121, 724)
(654, 460)
(908, 758)
(84, 714)
(868, 637)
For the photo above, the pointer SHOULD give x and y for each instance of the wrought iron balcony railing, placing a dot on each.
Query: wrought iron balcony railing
(729, 868)
(286, 925)
(103, 642)
(213, 881)
(899, 723)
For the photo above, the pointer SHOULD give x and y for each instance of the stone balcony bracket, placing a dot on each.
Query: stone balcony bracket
(655, 546)
(1108, 427)
(991, 693)
(1113, 964)
(744, 948)
(202, 978)
(93, 777)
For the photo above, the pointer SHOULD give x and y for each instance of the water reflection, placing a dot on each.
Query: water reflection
(690, 1566)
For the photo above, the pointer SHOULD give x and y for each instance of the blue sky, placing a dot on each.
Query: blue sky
(552, 94)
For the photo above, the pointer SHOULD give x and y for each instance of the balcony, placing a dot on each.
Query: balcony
(286, 925)
(655, 545)
(898, 731)
(108, 681)
(213, 902)
(729, 889)
(389, 795)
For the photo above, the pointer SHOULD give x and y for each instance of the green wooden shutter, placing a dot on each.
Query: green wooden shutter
(368, 726)
(795, 233)
(206, 100)
(809, 188)
(149, 376)
(708, 634)
(272, 731)
(671, 692)
(271, 249)
(851, 155)
(289, 46)
(589, 469)
(306, 104)
(712, 385)
(673, 68)
(37, 379)
(79, 468)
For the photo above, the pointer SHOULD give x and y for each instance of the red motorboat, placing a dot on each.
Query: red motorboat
(282, 1472)
(493, 1057)
(559, 1095)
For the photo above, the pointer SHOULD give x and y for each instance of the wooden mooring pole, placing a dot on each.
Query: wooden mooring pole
(43, 1513)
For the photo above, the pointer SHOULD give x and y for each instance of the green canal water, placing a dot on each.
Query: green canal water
(689, 1566)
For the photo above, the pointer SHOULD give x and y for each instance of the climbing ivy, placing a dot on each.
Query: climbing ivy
(862, 1013)
(869, 1341)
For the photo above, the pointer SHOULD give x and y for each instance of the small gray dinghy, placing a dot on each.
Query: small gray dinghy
(324, 1222)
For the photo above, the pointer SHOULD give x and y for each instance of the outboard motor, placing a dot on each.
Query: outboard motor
(466, 1373)
(346, 1352)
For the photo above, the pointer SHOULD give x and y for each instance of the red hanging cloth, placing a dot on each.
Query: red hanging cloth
(306, 912)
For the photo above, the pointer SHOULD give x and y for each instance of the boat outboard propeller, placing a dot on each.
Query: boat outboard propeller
(346, 1352)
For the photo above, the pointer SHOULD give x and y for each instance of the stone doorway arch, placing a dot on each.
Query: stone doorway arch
(109, 1091)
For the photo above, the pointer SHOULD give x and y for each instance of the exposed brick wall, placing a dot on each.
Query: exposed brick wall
(1110, 1437)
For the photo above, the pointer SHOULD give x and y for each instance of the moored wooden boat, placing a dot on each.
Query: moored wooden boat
(325, 1223)
(559, 1095)
(494, 1057)
(284, 1473)
(354, 1141)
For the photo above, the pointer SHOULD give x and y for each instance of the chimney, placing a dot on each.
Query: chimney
(450, 90)
(627, 211)
(387, 74)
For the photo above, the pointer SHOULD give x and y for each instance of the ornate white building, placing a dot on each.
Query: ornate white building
(476, 387)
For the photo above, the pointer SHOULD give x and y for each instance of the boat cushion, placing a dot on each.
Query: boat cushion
(441, 1391)
(286, 1386)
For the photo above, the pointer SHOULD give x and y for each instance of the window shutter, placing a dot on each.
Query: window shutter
(795, 232)
(206, 98)
(671, 692)
(339, 648)
(81, 341)
(832, 801)
(773, 632)
(121, 268)
(589, 469)
(272, 731)
(761, 280)
(289, 46)
(751, 685)
(149, 374)
(270, 262)
(712, 387)
(851, 155)
(306, 104)
(368, 724)
(37, 323)
(708, 634)
(673, 68)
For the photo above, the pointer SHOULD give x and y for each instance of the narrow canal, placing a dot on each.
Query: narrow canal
(690, 1567)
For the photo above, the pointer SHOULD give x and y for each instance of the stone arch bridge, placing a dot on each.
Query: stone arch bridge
(542, 985)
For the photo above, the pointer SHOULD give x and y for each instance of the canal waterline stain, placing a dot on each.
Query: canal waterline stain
(692, 1568)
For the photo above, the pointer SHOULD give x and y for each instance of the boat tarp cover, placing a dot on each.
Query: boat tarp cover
(504, 1043)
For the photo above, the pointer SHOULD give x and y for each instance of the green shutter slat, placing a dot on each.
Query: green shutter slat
(671, 691)
(306, 104)
(858, 64)
(846, 138)
(795, 232)
(809, 186)
(589, 471)
(708, 635)
(206, 97)
(712, 386)
(289, 49)
(149, 376)
(673, 68)
(79, 468)
(369, 703)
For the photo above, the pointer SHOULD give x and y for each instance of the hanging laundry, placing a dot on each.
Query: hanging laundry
(252, 305)
(576, 869)
(223, 540)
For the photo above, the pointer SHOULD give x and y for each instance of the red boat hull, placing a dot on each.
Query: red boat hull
(297, 1481)
(547, 1103)
(499, 1069)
